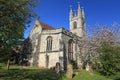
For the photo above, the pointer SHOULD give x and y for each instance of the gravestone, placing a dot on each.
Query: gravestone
(58, 68)
(69, 72)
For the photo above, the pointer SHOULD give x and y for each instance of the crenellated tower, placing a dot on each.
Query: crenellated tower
(77, 22)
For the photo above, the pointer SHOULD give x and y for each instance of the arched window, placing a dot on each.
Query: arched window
(75, 25)
(49, 43)
(70, 49)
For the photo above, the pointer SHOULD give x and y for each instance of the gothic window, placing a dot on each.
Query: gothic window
(75, 25)
(61, 45)
(49, 43)
(70, 50)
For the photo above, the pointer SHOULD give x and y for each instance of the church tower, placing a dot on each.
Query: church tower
(77, 22)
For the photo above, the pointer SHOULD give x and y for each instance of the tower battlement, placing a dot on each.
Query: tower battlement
(77, 22)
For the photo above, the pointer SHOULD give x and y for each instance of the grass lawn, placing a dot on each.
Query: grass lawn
(20, 73)
(84, 75)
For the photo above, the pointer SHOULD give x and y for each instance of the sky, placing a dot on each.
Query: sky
(56, 12)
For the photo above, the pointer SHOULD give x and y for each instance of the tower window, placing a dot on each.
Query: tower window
(75, 25)
(49, 43)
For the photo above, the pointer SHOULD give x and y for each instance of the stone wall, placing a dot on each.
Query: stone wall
(53, 59)
(59, 52)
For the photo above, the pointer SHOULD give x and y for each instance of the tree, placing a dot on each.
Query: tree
(109, 60)
(14, 17)
(90, 44)
(102, 50)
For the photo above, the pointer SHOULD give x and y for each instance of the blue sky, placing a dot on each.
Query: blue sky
(56, 12)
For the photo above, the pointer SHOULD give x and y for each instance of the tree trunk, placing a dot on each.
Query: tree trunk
(8, 64)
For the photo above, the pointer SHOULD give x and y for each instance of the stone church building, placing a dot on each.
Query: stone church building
(49, 45)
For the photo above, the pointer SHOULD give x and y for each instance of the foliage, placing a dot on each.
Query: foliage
(90, 44)
(14, 17)
(109, 60)
(25, 51)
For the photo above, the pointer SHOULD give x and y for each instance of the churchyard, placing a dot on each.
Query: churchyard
(30, 73)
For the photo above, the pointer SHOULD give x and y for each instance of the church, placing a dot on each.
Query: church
(49, 45)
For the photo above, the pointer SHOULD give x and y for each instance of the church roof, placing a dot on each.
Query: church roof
(45, 26)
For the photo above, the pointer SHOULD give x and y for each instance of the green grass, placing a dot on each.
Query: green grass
(84, 75)
(20, 73)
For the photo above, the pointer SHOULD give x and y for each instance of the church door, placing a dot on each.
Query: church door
(47, 61)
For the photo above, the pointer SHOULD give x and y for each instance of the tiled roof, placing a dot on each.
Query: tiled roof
(45, 26)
